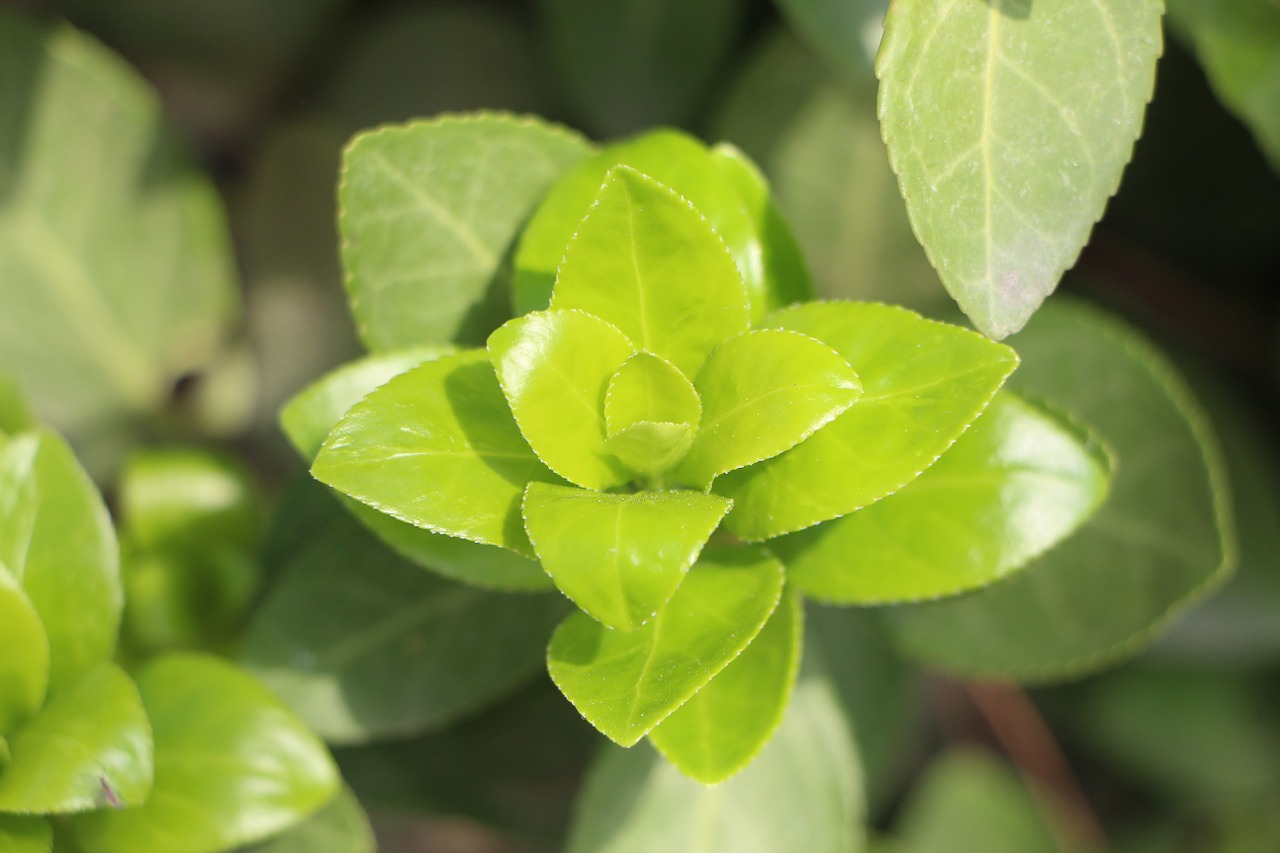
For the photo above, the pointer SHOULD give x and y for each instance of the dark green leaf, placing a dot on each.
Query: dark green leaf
(25, 834)
(845, 33)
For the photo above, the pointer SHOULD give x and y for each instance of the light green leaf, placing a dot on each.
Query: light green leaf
(233, 766)
(15, 411)
(1149, 552)
(25, 834)
(649, 388)
(1238, 43)
(726, 723)
(619, 557)
(437, 447)
(428, 211)
(845, 33)
(1019, 481)
(57, 542)
(135, 286)
(923, 384)
(24, 667)
(363, 645)
(89, 748)
(763, 393)
(188, 501)
(340, 827)
(803, 794)
(651, 448)
(554, 368)
(627, 683)
(1009, 124)
(646, 261)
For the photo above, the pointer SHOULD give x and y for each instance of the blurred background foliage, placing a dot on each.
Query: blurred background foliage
(1176, 750)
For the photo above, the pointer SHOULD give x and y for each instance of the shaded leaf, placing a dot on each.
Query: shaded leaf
(340, 827)
(24, 668)
(845, 34)
(651, 448)
(25, 834)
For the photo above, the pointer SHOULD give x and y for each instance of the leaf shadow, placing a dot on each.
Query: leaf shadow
(1019, 10)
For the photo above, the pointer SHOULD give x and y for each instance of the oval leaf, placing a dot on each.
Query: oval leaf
(24, 668)
(233, 766)
(554, 368)
(763, 393)
(649, 263)
(1013, 486)
(627, 683)
(619, 557)
(923, 384)
(649, 388)
(1009, 124)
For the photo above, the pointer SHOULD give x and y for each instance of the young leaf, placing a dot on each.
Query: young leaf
(646, 261)
(1009, 123)
(651, 448)
(232, 765)
(554, 368)
(136, 286)
(428, 210)
(24, 667)
(763, 393)
(726, 724)
(627, 683)
(89, 748)
(1149, 551)
(25, 834)
(619, 557)
(649, 388)
(340, 827)
(1013, 486)
(437, 447)
(923, 384)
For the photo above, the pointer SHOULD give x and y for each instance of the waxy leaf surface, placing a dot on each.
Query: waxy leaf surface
(428, 211)
(24, 667)
(554, 368)
(762, 393)
(232, 765)
(25, 834)
(649, 388)
(1147, 553)
(1013, 486)
(89, 748)
(923, 383)
(646, 261)
(651, 448)
(619, 557)
(437, 447)
(627, 683)
(1008, 124)
(726, 723)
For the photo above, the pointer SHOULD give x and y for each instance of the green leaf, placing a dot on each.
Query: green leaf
(340, 827)
(233, 766)
(726, 723)
(651, 448)
(429, 209)
(57, 542)
(363, 645)
(89, 748)
(619, 557)
(1238, 43)
(15, 411)
(1013, 486)
(845, 33)
(188, 501)
(554, 368)
(437, 447)
(25, 834)
(133, 281)
(801, 795)
(763, 393)
(1009, 124)
(646, 261)
(1149, 552)
(649, 388)
(24, 668)
(923, 384)
(627, 683)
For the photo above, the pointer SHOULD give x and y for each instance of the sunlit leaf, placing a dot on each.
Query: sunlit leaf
(649, 388)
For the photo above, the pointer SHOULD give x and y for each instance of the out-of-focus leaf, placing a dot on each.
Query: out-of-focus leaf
(340, 827)
(427, 212)
(845, 33)
(1009, 124)
(15, 411)
(189, 501)
(24, 668)
(135, 286)
(25, 834)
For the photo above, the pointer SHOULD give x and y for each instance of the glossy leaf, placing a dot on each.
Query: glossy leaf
(627, 683)
(364, 645)
(1238, 43)
(1149, 551)
(25, 834)
(649, 388)
(803, 794)
(340, 827)
(1009, 124)
(233, 766)
(57, 542)
(923, 383)
(89, 748)
(1013, 486)
(651, 448)
(437, 447)
(137, 287)
(619, 557)
(646, 261)
(726, 724)
(554, 368)
(763, 393)
(428, 210)
(24, 667)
